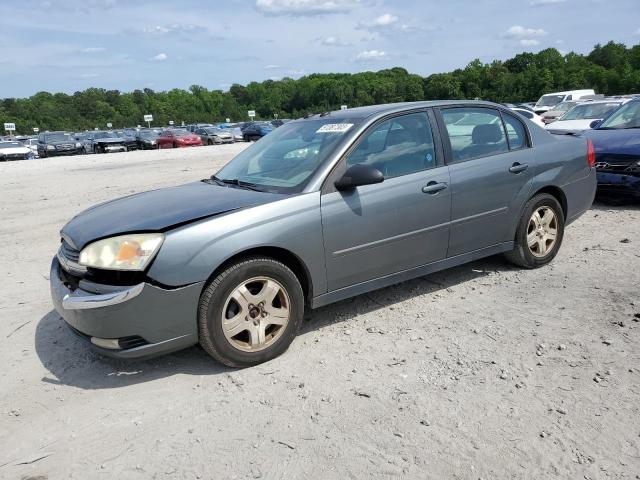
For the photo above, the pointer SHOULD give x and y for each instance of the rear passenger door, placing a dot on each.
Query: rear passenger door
(491, 167)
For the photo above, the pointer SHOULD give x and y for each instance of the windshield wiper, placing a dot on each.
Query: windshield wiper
(236, 182)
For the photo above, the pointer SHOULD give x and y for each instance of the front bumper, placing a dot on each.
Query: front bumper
(133, 321)
(619, 184)
(113, 148)
(62, 153)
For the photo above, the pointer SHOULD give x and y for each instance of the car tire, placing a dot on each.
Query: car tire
(539, 233)
(248, 338)
(209, 142)
(175, 145)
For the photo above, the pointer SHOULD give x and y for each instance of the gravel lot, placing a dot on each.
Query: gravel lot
(481, 371)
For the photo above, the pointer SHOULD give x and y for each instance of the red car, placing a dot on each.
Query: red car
(177, 137)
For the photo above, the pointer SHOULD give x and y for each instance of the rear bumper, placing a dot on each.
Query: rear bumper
(619, 184)
(160, 320)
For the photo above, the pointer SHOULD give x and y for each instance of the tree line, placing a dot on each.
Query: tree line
(610, 69)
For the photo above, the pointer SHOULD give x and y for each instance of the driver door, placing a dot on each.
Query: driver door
(376, 230)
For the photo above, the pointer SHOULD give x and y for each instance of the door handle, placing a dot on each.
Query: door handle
(433, 187)
(518, 167)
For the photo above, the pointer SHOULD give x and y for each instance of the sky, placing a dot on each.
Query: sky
(70, 45)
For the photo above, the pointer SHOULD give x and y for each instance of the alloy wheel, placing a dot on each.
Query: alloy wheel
(542, 231)
(255, 314)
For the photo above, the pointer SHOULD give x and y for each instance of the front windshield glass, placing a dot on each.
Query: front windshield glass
(99, 135)
(58, 137)
(589, 111)
(180, 133)
(284, 160)
(564, 106)
(549, 100)
(627, 116)
(10, 144)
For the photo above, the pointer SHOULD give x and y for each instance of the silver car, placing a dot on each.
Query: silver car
(213, 135)
(322, 209)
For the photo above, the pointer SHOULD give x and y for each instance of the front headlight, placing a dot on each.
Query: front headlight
(125, 252)
(50, 147)
(78, 144)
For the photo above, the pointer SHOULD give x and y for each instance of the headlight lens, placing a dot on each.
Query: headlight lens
(125, 252)
(50, 147)
(78, 144)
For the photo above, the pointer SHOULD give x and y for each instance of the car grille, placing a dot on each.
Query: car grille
(618, 164)
(65, 146)
(68, 252)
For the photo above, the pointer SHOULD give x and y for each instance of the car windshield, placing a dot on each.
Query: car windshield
(589, 111)
(180, 133)
(213, 131)
(58, 137)
(10, 144)
(627, 116)
(99, 135)
(563, 107)
(549, 100)
(284, 160)
(149, 134)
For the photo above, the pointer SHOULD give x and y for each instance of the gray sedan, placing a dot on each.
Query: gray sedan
(322, 209)
(212, 135)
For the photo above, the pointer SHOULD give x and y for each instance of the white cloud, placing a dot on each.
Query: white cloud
(518, 31)
(637, 32)
(271, 67)
(296, 72)
(332, 41)
(385, 20)
(369, 55)
(305, 7)
(529, 42)
(93, 50)
(161, 57)
(173, 29)
(89, 75)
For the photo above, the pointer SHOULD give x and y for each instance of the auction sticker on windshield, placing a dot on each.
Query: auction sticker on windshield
(334, 128)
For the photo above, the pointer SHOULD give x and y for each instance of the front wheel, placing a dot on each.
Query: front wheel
(539, 233)
(251, 312)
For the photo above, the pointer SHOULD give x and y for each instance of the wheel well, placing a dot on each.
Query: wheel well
(280, 254)
(558, 194)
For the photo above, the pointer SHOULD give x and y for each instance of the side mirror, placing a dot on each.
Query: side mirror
(359, 175)
(594, 124)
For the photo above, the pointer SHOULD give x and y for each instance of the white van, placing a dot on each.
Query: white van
(550, 100)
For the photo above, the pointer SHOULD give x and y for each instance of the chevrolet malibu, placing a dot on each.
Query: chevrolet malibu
(322, 209)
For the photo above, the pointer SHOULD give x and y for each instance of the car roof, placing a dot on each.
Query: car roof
(372, 110)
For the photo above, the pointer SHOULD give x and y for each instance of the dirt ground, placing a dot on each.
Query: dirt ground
(482, 371)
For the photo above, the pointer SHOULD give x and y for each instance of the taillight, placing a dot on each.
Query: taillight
(591, 153)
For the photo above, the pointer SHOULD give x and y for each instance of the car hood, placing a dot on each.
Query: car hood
(622, 142)
(109, 140)
(14, 150)
(160, 210)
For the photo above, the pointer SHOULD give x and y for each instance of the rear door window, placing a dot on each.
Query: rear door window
(516, 132)
(474, 132)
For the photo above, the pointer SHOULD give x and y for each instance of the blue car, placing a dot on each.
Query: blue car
(616, 140)
(256, 130)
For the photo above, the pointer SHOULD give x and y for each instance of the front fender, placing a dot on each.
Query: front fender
(192, 252)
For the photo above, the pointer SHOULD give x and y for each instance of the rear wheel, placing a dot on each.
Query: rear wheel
(175, 145)
(539, 233)
(209, 142)
(251, 312)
